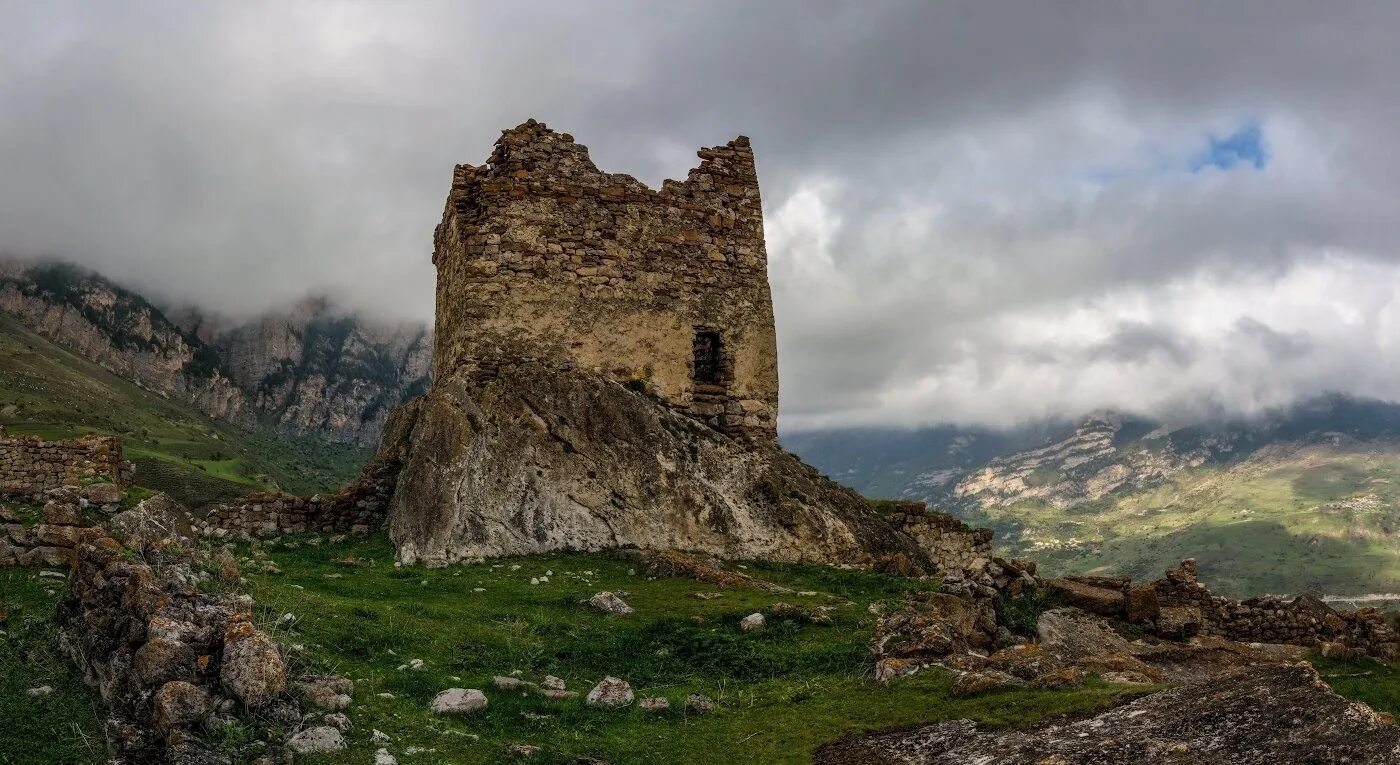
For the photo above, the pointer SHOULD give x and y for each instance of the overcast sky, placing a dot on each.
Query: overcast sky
(977, 212)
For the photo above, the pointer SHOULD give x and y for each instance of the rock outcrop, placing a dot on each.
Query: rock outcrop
(531, 458)
(1270, 714)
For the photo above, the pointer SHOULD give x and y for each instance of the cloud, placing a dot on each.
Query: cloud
(977, 212)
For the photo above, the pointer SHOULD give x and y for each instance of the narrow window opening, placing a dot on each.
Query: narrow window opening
(709, 357)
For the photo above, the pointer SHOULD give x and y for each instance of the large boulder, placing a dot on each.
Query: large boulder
(1086, 641)
(506, 462)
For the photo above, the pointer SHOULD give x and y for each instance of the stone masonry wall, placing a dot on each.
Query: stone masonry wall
(1191, 608)
(31, 465)
(50, 542)
(541, 255)
(952, 546)
(356, 508)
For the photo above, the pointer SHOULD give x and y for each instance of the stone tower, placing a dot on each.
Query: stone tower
(543, 257)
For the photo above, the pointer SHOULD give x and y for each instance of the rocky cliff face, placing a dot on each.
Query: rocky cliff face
(317, 369)
(529, 459)
(311, 369)
(121, 331)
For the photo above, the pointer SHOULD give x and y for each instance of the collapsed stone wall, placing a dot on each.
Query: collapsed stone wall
(356, 508)
(1178, 607)
(540, 255)
(952, 546)
(1190, 607)
(172, 663)
(30, 465)
(51, 541)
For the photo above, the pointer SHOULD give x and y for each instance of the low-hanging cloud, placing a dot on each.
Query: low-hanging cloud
(977, 212)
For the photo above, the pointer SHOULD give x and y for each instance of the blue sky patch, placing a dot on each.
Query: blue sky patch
(1242, 147)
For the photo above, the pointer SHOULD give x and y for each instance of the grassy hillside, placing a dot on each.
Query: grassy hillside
(781, 692)
(49, 391)
(1321, 518)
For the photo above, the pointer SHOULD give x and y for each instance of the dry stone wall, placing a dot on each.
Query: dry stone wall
(51, 541)
(1187, 607)
(30, 465)
(952, 546)
(540, 255)
(357, 508)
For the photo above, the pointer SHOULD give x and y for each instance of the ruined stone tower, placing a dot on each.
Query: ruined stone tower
(599, 347)
(542, 256)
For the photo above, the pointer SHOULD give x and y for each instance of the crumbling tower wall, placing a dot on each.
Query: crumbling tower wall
(542, 256)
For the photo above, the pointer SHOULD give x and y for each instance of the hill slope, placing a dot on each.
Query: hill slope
(48, 390)
(1302, 500)
(310, 369)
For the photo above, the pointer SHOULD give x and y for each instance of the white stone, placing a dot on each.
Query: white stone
(753, 623)
(42, 691)
(459, 701)
(322, 738)
(608, 602)
(610, 692)
(382, 757)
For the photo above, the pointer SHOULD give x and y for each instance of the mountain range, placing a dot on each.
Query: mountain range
(1302, 499)
(308, 369)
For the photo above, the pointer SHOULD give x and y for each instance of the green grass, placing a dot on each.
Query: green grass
(58, 394)
(1366, 680)
(64, 727)
(783, 692)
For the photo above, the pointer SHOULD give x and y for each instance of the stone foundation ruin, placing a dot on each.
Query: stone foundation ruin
(30, 465)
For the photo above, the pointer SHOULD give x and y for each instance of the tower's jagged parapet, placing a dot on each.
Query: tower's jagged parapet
(541, 255)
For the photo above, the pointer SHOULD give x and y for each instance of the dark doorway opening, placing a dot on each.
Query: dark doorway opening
(709, 357)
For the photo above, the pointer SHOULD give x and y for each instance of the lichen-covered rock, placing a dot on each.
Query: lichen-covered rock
(984, 681)
(1092, 597)
(459, 701)
(104, 494)
(253, 669)
(753, 623)
(1269, 714)
(610, 603)
(328, 692)
(610, 692)
(318, 740)
(178, 703)
(161, 660)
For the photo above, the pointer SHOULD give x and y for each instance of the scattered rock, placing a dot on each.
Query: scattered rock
(328, 692)
(1126, 678)
(608, 602)
(655, 704)
(382, 757)
(459, 701)
(522, 750)
(318, 740)
(503, 683)
(610, 692)
(338, 721)
(42, 692)
(560, 695)
(697, 703)
(552, 683)
(985, 681)
(753, 623)
(379, 736)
